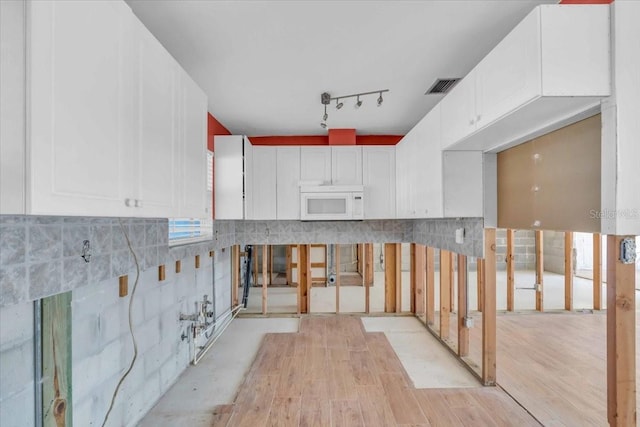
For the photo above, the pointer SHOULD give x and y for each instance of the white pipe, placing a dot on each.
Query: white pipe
(234, 312)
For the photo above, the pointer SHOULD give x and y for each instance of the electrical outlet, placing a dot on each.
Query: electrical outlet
(468, 322)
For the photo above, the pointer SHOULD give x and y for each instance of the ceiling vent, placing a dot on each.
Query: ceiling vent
(442, 86)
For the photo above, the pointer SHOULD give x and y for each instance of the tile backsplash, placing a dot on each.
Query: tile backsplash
(41, 255)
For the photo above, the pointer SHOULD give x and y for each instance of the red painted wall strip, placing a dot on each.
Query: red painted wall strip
(342, 137)
(304, 140)
(586, 2)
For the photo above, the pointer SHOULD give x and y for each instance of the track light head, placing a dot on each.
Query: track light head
(323, 125)
(358, 102)
(380, 99)
(338, 104)
(325, 116)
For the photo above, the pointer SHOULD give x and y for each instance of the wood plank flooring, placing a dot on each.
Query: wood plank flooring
(332, 373)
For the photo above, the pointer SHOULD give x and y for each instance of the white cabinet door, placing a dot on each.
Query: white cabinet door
(402, 178)
(379, 180)
(287, 182)
(458, 111)
(80, 108)
(193, 182)
(510, 76)
(228, 177)
(315, 164)
(158, 148)
(263, 183)
(346, 165)
(463, 178)
(427, 166)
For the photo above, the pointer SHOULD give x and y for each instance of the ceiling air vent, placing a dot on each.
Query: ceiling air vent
(441, 86)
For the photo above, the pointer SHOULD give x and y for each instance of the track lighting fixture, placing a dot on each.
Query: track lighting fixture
(326, 98)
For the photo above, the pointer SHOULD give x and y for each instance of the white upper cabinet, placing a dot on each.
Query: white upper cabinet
(228, 172)
(261, 184)
(315, 165)
(81, 108)
(463, 184)
(552, 67)
(346, 165)
(379, 180)
(116, 128)
(287, 182)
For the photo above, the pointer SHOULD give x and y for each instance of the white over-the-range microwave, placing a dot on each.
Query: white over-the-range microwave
(331, 202)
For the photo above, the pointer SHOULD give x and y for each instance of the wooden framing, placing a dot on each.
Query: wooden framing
(419, 272)
(304, 282)
(489, 309)
(480, 281)
(511, 286)
(539, 270)
(270, 272)
(368, 264)
(123, 286)
(621, 337)
(412, 278)
(162, 273)
(392, 278)
(337, 267)
(197, 261)
(430, 293)
(568, 270)
(265, 272)
(235, 274)
(288, 251)
(597, 271)
(446, 278)
(463, 331)
(178, 266)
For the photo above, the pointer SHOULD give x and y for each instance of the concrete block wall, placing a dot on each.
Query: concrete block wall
(17, 406)
(554, 251)
(524, 249)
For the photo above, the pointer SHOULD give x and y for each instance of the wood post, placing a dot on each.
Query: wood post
(368, 263)
(597, 271)
(489, 309)
(412, 278)
(463, 331)
(539, 271)
(123, 286)
(511, 286)
(568, 270)
(392, 278)
(337, 267)
(430, 297)
(446, 278)
(270, 265)
(621, 337)
(197, 261)
(235, 276)
(162, 273)
(178, 266)
(304, 278)
(288, 265)
(265, 249)
(480, 281)
(419, 271)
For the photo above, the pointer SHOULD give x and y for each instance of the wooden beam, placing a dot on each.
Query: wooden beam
(597, 271)
(178, 266)
(270, 264)
(568, 270)
(430, 297)
(123, 286)
(255, 265)
(539, 271)
(303, 278)
(390, 278)
(307, 268)
(446, 277)
(337, 267)
(511, 286)
(368, 263)
(412, 278)
(489, 309)
(419, 278)
(56, 360)
(398, 270)
(265, 271)
(621, 337)
(235, 276)
(480, 281)
(288, 265)
(197, 261)
(162, 273)
(463, 331)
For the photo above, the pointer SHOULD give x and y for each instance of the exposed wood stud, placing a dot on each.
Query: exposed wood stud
(123, 286)
(288, 265)
(597, 271)
(539, 271)
(489, 309)
(398, 271)
(211, 253)
(420, 272)
(480, 281)
(368, 263)
(270, 265)
(568, 270)
(511, 286)
(391, 277)
(235, 275)
(337, 267)
(430, 294)
(412, 278)
(161, 273)
(178, 266)
(197, 261)
(621, 337)
(264, 278)
(304, 278)
(446, 276)
(463, 331)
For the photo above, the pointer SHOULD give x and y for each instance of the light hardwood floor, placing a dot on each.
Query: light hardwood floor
(333, 373)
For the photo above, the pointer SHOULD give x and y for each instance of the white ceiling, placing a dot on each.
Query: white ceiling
(265, 63)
